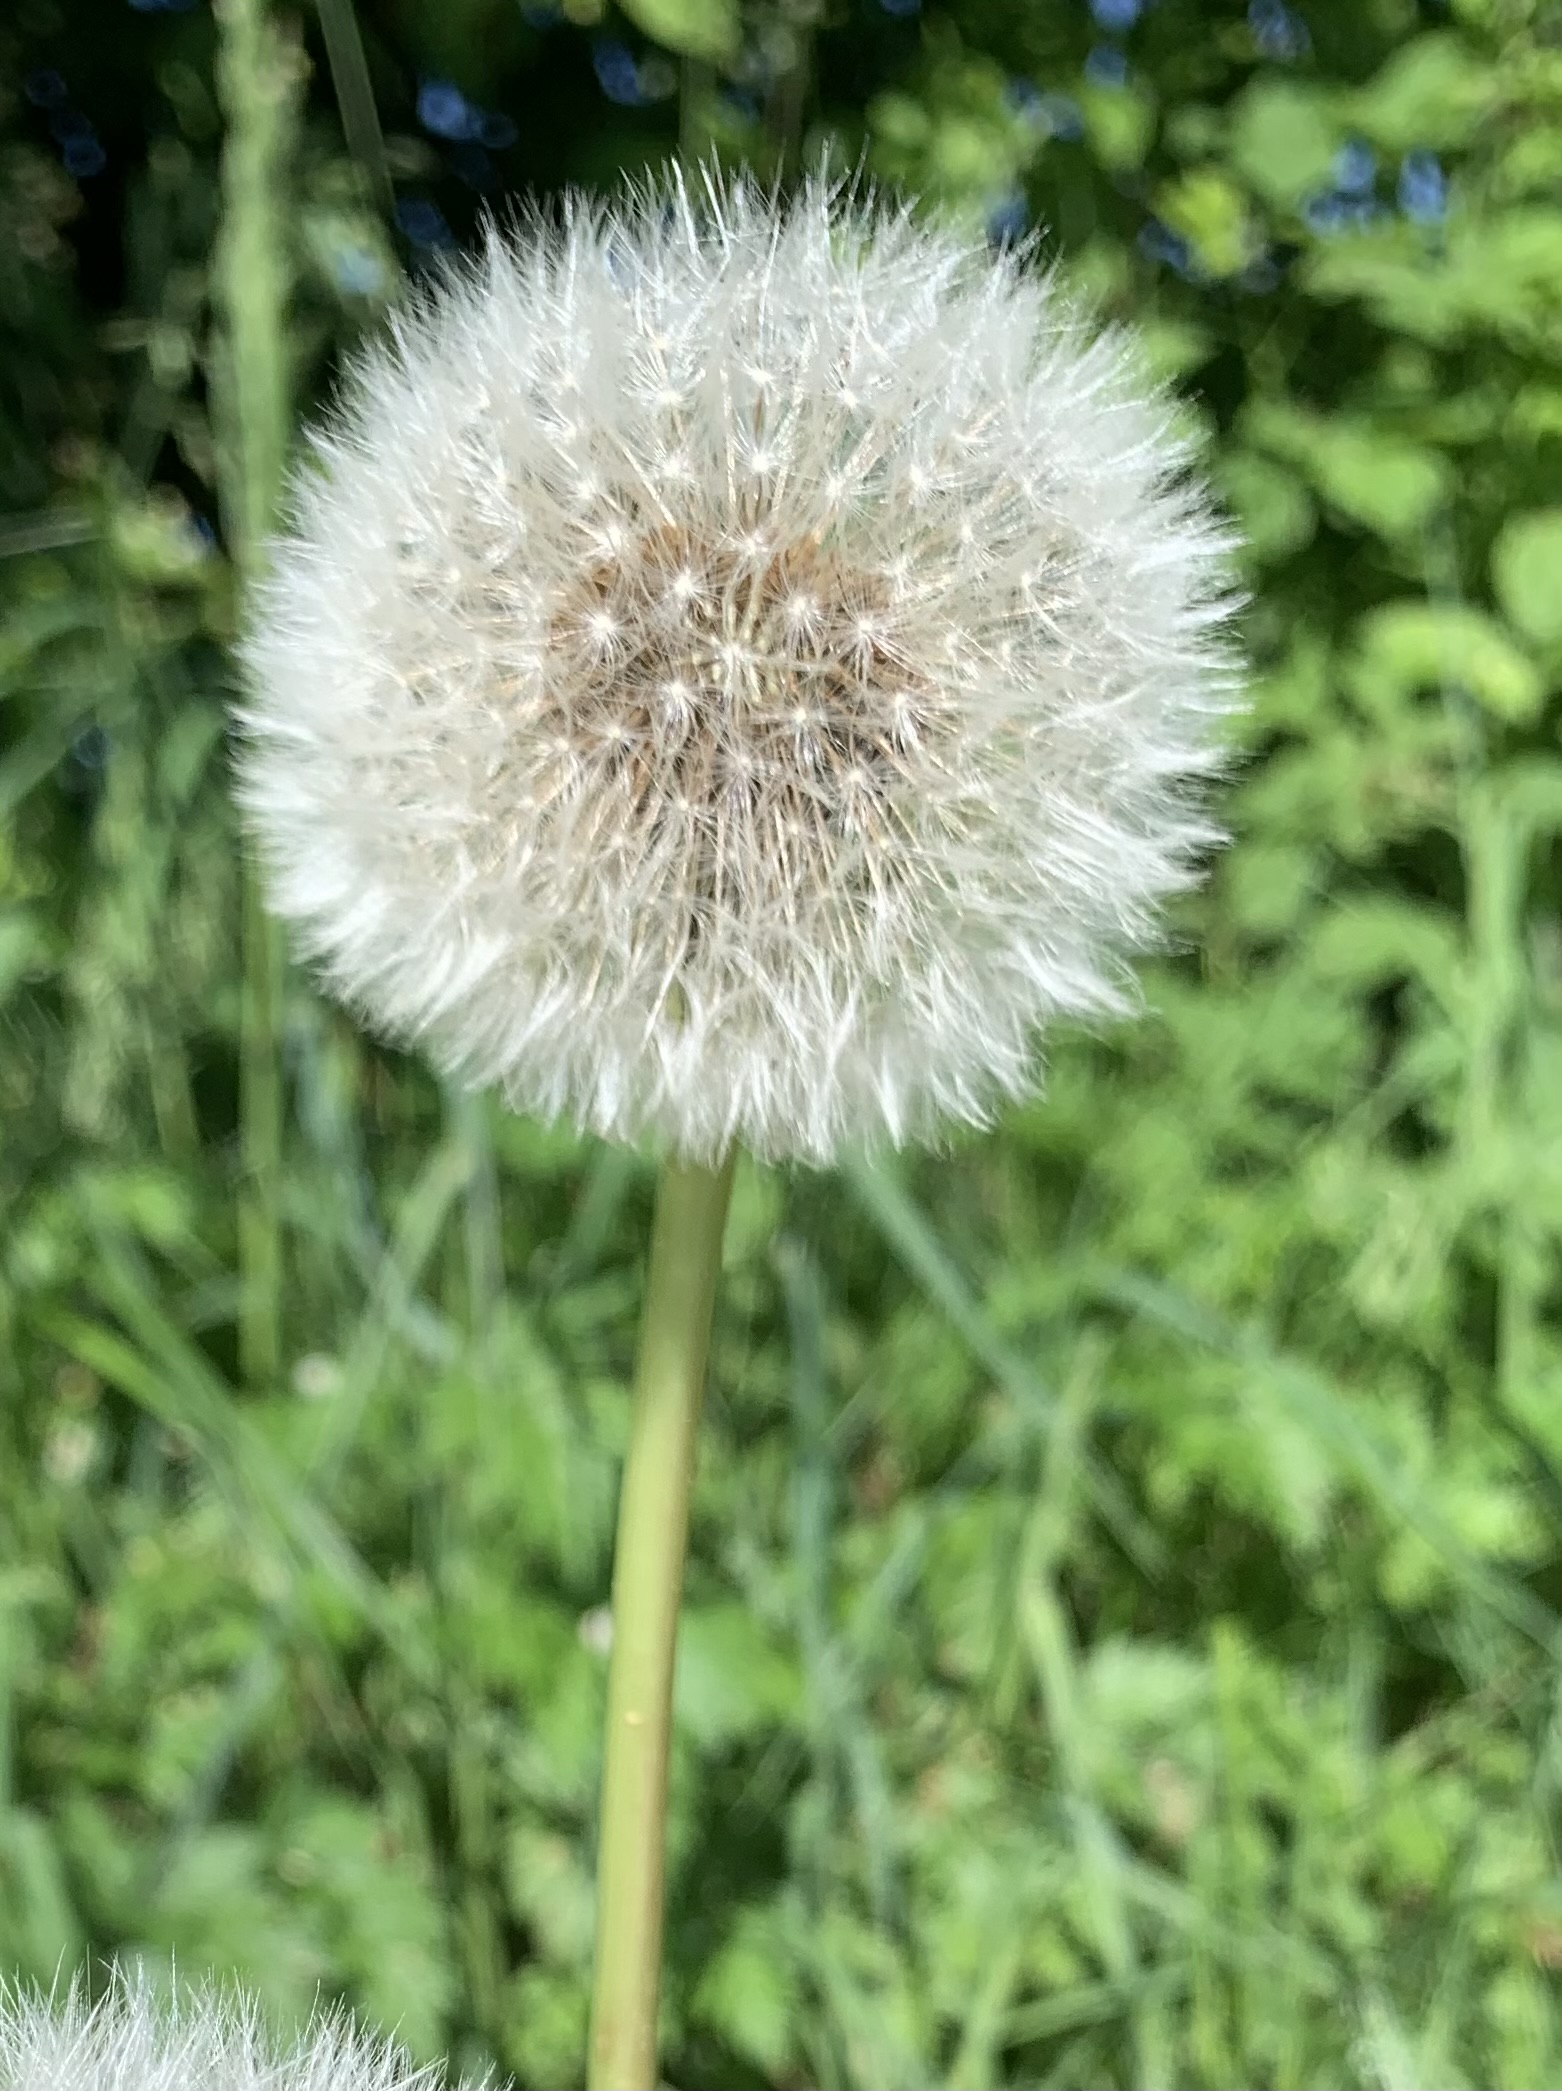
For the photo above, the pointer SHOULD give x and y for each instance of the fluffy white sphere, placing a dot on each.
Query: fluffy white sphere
(737, 671)
(207, 2041)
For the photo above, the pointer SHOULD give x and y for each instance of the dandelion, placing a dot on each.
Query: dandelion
(737, 674)
(133, 2040)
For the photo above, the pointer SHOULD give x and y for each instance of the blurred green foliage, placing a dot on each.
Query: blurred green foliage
(1123, 1628)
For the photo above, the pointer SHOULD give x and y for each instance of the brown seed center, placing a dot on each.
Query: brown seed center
(735, 678)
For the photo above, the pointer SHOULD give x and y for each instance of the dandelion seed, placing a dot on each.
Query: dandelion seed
(880, 733)
(135, 2040)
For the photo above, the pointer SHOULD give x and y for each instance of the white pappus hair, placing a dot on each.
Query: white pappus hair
(209, 2039)
(737, 671)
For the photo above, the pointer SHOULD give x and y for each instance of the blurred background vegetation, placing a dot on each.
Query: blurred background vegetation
(1123, 1627)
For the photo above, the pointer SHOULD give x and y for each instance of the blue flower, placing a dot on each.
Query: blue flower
(80, 151)
(1423, 189)
(1331, 211)
(1106, 66)
(1024, 98)
(1116, 15)
(83, 157)
(1278, 32)
(1355, 168)
(901, 7)
(445, 110)
(90, 748)
(1008, 219)
(1062, 117)
(617, 74)
(1157, 242)
(357, 272)
(45, 88)
(1325, 212)
(423, 222)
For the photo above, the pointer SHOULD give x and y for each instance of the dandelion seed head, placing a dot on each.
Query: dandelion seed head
(132, 2039)
(775, 743)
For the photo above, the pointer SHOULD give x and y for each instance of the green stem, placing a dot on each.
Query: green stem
(355, 99)
(258, 78)
(653, 1530)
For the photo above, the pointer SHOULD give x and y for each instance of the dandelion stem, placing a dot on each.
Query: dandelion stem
(653, 1529)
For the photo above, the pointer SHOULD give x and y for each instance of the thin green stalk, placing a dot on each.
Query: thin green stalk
(653, 1530)
(696, 84)
(355, 98)
(789, 97)
(260, 1143)
(258, 76)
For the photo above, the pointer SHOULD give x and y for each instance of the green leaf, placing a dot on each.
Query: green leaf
(218, 1905)
(955, 137)
(1121, 123)
(1496, 274)
(1378, 939)
(1283, 140)
(748, 1994)
(22, 946)
(1431, 95)
(1271, 885)
(1410, 646)
(379, 1911)
(1211, 213)
(1271, 504)
(155, 541)
(1389, 486)
(731, 1680)
(1348, 1431)
(900, 121)
(1138, 1689)
(550, 1889)
(1384, 482)
(545, 2026)
(916, 1244)
(1170, 348)
(39, 1928)
(694, 28)
(964, 155)
(1526, 565)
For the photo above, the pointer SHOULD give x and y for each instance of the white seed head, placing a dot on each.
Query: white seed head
(207, 2040)
(768, 747)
